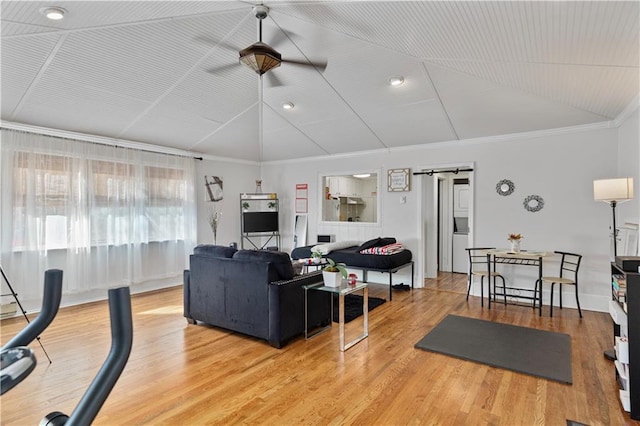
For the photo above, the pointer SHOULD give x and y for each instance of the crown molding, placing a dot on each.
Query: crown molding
(85, 137)
(47, 131)
(230, 160)
(630, 109)
(435, 145)
(455, 142)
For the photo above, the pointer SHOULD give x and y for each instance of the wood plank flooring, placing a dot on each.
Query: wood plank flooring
(180, 374)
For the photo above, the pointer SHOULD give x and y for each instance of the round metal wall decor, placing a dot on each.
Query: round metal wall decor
(533, 203)
(505, 187)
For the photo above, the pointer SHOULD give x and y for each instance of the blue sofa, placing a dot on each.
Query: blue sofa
(253, 292)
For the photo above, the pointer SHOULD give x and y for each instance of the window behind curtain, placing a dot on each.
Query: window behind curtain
(105, 215)
(123, 203)
(46, 178)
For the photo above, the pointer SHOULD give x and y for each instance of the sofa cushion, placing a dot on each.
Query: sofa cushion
(214, 251)
(281, 268)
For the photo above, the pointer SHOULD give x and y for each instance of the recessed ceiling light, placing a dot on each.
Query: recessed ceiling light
(396, 80)
(287, 105)
(54, 13)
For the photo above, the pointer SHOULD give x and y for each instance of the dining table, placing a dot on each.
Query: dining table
(531, 258)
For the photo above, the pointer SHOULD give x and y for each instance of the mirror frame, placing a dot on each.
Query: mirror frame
(321, 178)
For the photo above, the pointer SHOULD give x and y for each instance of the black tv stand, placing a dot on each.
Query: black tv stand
(259, 223)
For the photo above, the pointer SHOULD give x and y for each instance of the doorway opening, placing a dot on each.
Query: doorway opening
(446, 228)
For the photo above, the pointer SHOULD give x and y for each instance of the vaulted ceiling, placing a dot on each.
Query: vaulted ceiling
(167, 73)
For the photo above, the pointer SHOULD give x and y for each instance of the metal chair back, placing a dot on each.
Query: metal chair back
(478, 256)
(569, 265)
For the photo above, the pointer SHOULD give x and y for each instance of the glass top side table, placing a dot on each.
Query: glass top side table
(341, 291)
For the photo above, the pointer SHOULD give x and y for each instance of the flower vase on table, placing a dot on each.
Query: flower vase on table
(515, 239)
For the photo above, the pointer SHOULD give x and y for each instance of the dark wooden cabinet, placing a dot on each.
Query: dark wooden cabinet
(625, 310)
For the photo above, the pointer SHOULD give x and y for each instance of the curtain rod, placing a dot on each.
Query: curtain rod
(431, 172)
(101, 140)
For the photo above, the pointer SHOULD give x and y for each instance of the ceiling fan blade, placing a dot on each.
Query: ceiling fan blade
(221, 69)
(319, 65)
(210, 41)
(274, 81)
(281, 36)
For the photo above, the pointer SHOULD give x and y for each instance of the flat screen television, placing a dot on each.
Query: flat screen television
(260, 221)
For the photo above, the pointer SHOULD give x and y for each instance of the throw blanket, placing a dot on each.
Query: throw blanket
(388, 249)
(329, 247)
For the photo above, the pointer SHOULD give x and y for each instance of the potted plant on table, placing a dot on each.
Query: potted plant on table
(333, 273)
(515, 239)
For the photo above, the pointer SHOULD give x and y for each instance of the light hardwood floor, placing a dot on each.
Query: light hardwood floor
(180, 374)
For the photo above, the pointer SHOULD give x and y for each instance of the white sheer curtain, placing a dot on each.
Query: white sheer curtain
(107, 216)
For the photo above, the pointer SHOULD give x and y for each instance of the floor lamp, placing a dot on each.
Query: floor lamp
(613, 191)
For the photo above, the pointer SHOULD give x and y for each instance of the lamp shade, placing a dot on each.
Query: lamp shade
(619, 189)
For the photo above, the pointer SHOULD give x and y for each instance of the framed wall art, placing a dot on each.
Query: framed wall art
(399, 180)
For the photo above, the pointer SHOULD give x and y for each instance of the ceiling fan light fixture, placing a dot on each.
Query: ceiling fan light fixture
(288, 105)
(396, 80)
(260, 57)
(54, 13)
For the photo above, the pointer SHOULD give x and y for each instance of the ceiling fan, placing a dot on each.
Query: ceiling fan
(261, 57)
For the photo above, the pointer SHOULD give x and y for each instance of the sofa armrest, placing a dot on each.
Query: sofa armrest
(186, 289)
(286, 307)
(313, 277)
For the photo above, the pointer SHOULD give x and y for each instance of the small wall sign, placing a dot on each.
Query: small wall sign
(302, 197)
(399, 180)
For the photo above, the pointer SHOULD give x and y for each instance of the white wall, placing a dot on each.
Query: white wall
(238, 177)
(560, 168)
(628, 160)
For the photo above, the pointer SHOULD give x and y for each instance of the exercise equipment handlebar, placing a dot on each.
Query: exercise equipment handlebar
(121, 342)
(50, 305)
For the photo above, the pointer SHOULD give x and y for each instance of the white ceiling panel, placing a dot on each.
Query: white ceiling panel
(478, 108)
(411, 124)
(93, 14)
(172, 127)
(578, 86)
(22, 60)
(168, 72)
(11, 28)
(160, 54)
(284, 141)
(237, 138)
(61, 105)
(341, 135)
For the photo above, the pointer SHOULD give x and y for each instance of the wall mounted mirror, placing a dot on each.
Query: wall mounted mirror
(533, 203)
(300, 231)
(505, 187)
(350, 197)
